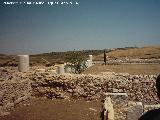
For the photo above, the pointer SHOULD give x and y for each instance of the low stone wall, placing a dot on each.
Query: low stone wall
(138, 87)
(13, 92)
(17, 86)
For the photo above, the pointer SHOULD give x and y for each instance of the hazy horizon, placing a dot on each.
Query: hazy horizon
(88, 25)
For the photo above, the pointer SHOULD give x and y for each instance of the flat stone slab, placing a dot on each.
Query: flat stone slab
(135, 110)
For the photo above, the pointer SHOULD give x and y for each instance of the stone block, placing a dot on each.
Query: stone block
(135, 110)
(23, 64)
(68, 69)
(88, 63)
(120, 102)
(60, 69)
(90, 57)
(108, 109)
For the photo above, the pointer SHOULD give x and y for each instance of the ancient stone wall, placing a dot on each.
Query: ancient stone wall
(17, 86)
(13, 92)
(138, 87)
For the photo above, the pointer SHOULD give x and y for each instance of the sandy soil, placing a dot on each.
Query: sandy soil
(135, 69)
(44, 109)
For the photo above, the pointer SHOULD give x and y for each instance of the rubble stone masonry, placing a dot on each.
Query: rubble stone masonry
(17, 86)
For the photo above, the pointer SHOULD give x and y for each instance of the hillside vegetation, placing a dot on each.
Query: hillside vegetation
(45, 58)
(59, 57)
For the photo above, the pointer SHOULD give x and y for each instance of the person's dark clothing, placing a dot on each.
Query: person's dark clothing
(151, 115)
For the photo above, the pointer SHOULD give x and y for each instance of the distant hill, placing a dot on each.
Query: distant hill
(59, 57)
(136, 53)
(44, 58)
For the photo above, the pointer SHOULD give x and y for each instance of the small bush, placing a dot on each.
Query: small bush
(77, 61)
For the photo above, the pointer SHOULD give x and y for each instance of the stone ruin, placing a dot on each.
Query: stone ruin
(129, 94)
(23, 64)
(13, 92)
(18, 86)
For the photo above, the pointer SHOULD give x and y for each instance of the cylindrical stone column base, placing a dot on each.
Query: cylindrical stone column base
(23, 64)
(60, 69)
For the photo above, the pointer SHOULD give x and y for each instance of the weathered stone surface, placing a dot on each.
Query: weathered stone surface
(108, 109)
(23, 64)
(120, 104)
(138, 87)
(13, 92)
(60, 69)
(134, 111)
(151, 107)
(52, 85)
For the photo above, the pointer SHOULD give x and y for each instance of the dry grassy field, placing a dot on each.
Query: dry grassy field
(133, 53)
(135, 69)
(151, 52)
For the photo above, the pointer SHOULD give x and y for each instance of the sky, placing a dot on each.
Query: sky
(82, 25)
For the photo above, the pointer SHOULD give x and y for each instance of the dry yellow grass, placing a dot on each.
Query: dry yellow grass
(135, 69)
(144, 52)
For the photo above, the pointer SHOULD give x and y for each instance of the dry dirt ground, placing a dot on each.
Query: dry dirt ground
(135, 69)
(44, 109)
(133, 53)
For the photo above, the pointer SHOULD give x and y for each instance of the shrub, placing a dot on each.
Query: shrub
(77, 61)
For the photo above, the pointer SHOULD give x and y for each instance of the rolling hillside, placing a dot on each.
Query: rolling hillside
(133, 53)
(59, 57)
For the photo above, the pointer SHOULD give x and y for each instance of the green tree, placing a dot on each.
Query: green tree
(77, 61)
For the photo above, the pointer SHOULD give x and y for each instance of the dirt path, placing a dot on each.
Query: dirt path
(43, 109)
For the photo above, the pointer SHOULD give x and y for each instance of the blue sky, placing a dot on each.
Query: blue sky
(92, 24)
